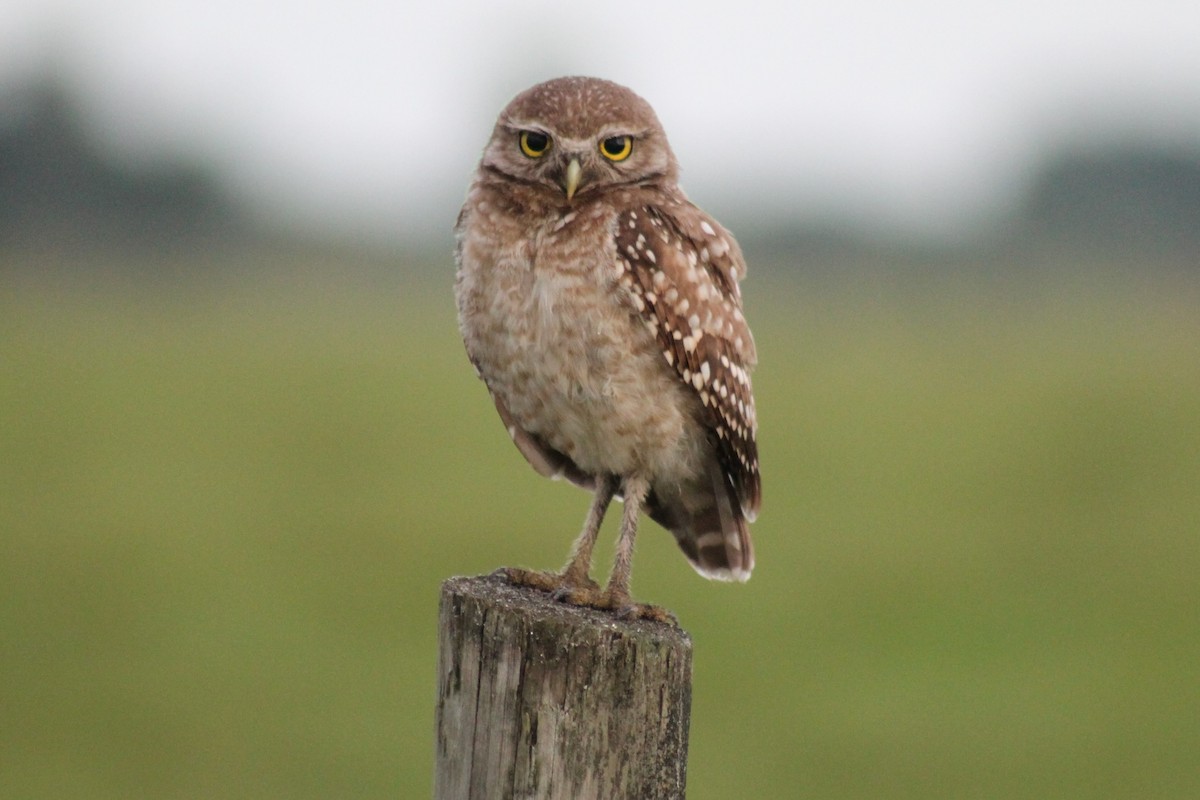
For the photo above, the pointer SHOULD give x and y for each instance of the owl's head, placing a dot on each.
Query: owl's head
(577, 136)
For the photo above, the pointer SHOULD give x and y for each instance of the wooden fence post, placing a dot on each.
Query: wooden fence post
(537, 699)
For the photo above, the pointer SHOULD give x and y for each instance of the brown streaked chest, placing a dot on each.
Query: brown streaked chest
(554, 337)
(539, 292)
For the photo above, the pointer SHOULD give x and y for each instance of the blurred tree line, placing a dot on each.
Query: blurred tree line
(60, 190)
(1134, 203)
(1119, 202)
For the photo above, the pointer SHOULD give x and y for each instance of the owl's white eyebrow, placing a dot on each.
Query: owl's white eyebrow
(516, 126)
(616, 130)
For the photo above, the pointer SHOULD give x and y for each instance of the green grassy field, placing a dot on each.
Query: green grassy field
(225, 510)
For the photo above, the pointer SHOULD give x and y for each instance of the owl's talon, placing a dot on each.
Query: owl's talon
(577, 579)
(577, 592)
(534, 579)
(586, 594)
(646, 611)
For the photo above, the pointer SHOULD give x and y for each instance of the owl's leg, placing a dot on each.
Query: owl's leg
(617, 589)
(616, 594)
(580, 563)
(574, 576)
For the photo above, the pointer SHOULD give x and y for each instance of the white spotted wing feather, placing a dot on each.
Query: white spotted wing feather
(681, 271)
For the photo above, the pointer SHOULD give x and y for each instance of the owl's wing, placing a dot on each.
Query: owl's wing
(681, 270)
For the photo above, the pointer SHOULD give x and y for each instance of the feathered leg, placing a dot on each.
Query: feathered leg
(575, 575)
(616, 594)
(576, 572)
(573, 585)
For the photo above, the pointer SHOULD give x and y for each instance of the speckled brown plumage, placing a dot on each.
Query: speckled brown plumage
(601, 308)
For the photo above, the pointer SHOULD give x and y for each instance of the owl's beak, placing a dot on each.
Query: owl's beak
(574, 173)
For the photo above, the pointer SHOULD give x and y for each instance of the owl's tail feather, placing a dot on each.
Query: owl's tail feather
(711, 530)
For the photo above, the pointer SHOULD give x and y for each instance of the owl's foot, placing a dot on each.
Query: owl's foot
(555, 583)
(619, 603)
(647, 611)
(565, 588)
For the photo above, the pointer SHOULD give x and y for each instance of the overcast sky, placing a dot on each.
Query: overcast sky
(367, 114)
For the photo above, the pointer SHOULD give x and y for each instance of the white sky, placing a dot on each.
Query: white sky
(370, 115)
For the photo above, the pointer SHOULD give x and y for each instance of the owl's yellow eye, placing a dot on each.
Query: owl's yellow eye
(534, 143)
(617, 148)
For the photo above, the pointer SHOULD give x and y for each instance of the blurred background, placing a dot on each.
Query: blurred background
(240, 444)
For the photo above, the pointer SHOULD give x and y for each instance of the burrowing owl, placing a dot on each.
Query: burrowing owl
(602, 310)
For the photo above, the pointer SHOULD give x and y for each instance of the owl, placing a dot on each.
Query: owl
(601, 309)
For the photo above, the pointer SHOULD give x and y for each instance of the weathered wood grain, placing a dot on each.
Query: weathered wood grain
(540, 699)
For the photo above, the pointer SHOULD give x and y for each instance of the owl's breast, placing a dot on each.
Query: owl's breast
(545, 322)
